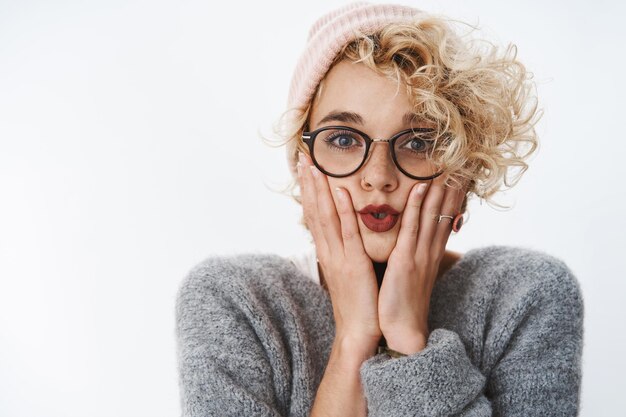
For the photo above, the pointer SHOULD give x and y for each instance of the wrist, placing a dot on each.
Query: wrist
(353, 351)
(407, 344)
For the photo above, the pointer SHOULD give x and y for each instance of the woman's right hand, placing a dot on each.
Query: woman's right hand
(346, 267)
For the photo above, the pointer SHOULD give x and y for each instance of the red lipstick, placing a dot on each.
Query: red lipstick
(379, 218)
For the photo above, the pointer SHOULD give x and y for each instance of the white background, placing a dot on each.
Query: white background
(130, 151)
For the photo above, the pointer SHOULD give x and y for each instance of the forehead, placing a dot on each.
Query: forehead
(355, 88)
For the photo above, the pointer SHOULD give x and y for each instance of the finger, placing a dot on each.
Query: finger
(309, 207)
(352, 242)
(327, 212)
(451, 207)
(409, 228)
(431, 207)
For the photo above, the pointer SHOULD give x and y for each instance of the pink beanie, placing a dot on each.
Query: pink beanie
(330, 33)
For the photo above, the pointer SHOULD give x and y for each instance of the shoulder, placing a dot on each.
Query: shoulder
(242, 278)
(248, 265)
(256, 296)
(516, 272)
(524, 263)
(501, 297)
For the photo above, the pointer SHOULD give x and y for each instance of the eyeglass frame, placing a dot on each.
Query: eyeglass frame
(308, 137)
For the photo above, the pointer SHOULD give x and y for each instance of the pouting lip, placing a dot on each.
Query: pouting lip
(379, 225)
(384, 208)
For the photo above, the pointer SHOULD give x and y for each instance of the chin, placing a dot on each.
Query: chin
(378, 246)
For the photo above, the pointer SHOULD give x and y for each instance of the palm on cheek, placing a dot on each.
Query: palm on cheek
(413, 264)
(348, 271)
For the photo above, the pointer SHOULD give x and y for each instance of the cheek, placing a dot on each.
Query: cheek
(347, 184)
(361, 197)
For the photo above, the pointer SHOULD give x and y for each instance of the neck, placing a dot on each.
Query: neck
(379, 269)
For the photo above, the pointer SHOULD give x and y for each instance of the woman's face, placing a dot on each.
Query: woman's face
(381, 108)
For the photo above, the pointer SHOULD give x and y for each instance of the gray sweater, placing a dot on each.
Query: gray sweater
(254, 336)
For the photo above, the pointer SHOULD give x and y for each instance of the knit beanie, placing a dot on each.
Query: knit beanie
(326, 38)
(330, 33)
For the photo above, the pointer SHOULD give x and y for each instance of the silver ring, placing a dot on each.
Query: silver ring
(441, 216)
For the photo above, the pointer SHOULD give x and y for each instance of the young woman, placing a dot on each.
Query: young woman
(393, 121)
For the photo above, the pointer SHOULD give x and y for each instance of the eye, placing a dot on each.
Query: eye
(343, 140)
(417, 141)
(417, 144)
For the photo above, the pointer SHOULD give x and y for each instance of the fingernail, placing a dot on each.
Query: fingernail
(421, 188)
(314, 171)
(301, 158)
(299, 169)
(340, 194)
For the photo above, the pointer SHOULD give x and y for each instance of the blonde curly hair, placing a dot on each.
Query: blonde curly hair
(481, 96)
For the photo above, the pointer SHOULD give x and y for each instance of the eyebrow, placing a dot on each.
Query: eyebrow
(352, 117)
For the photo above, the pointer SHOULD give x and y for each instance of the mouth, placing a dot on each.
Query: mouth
(379, 218)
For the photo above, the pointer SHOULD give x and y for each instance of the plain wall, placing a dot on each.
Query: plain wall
(130, 151)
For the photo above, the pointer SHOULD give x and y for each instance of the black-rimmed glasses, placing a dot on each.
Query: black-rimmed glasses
(339, 151)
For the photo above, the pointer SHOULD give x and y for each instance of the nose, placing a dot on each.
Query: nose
(379, 171)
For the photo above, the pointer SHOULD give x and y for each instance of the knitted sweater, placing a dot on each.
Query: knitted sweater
(506, 336)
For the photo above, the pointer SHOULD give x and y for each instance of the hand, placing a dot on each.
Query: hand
(413, 264)
(347, 269)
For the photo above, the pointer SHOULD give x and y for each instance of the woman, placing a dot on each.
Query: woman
(393, 122)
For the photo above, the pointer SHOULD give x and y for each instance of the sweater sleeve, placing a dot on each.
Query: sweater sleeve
(224, 368)
(537, 372)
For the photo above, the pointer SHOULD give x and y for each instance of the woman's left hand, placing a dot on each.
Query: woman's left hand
(412, 267)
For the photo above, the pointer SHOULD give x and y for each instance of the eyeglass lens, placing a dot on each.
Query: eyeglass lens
(341, 152)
